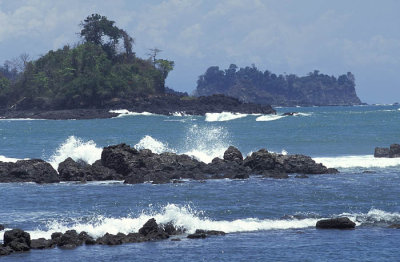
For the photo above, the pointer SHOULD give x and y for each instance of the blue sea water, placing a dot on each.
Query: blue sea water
(267, 219)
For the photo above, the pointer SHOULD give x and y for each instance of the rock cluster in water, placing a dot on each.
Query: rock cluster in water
(122, 162)
(391, 152)
(17, 240)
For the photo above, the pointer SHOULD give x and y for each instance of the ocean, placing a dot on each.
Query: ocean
(266, 219)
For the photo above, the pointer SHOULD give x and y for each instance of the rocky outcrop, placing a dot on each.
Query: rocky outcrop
(162, 104)
(122, 162)
(15, 240)
(200, 233)
(34, 170)
(336, 223)
(392, 152)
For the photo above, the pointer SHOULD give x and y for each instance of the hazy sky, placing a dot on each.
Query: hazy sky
(283, 36)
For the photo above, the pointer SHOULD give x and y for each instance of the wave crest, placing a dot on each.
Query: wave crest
(224, 116)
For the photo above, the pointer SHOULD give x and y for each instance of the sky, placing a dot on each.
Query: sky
(282, 36)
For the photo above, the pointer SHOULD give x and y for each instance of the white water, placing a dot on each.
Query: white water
(125, 112)
(265, 118)
(153, 144)
(186, 217)
(77, 149)
(9, 159)
(224, 116)
(366, 161)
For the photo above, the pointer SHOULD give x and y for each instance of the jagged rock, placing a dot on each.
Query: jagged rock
(336, 223)
(33, 170)
(17, 239)
(111, 240)
(70, 170)
(152, 231)
(121, 158)
(4, 251)
(171, 229)
(233, 154)
(205, 233)
(88, 240)
(260, 161)
(42, 243)
(394, 150)
(70, 239)
(381, 152)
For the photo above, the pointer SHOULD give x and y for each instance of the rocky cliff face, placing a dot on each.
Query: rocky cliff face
(251, 85)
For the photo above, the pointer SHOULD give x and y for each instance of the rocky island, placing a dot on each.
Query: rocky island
(249, 84)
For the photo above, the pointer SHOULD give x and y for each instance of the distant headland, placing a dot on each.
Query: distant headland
(249, 84)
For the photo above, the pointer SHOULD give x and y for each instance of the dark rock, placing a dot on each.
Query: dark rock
(290, 113)
(197, 235)
(175, 239)
(152, 231)
(394, 150)
(301, 176)
(171, 229)
(70, 239)
(88, 240)
(33, 170)
(275, 173)
(210, 232)
(395, 226)
(42, 243)
(17, 239)
(111, 240)
(381, 152)
(4, 251)
(122, 158)
(1, 227)
(336, 223)
(233, 154)
(98, 172)
(69, 170)
(260, 161)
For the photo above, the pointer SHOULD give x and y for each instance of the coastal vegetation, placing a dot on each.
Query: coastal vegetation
(102, 67)
(250, 84)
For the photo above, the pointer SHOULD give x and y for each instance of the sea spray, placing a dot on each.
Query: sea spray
(206, 142)
(77, 149)
(125, 112)
(266, 118)
(148, 142)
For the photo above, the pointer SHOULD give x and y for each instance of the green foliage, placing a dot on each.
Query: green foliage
(252, 85)
(89, 74)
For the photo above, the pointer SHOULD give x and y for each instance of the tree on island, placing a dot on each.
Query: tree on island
(89, 74)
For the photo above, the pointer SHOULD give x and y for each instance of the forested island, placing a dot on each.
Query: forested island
(249, 84)
(98, 74)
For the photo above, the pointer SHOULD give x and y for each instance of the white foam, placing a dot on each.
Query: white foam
(224, 116)
(265, 118)
(9, 159)
(374, 216)
(77, 149)
(205, 143)
(153, 144)
(180, 216)
(125, 112)
(365, 161)
(179, 114)
(302, 114)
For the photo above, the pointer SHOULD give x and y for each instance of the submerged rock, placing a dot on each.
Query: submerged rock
(200, 233)
(336, 223)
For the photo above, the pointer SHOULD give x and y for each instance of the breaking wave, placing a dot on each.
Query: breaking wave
(224, 116)
(9, 159)
(265, 118)
(77, 149)
(365, 161)
(190, 219)
(153, 144)
(125, 112)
